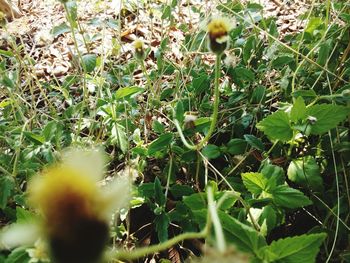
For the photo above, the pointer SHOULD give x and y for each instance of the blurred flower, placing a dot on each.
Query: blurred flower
(39, 253)
(75, 211)
(139, 49)
(218, 29)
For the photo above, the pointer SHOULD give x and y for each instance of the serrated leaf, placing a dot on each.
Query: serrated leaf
(7, 184)
(244, 237)
(179, 112)
(274, 174)
(323, 52)
(167, 12)
(248, 48)
(195, 201)
(327, 116)
(60, 29)
(89, 62)
(179, 191)
(288, 197)
(298, 111)
(244, 74)
(211, 151)
(282, 61)
(305, 94)
(236, 146)
(254, 182)
(35, 138)
(18, 255)
(306, 172)
(254, 142)
(276, 126)
(23, 216)
(158, 127)
(127, 91)
(162, 224)
(119, 137)
(294, 249)
(160, 144)
(201, 83)
(159, 195)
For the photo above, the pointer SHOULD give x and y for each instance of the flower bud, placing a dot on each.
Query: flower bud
(139, 49)
(218, 31)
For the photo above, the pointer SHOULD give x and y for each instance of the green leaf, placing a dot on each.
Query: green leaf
(244, 237)
(276, 126)
(158, 127)
(254, 142)
(118, 136)
(244, 74)
(18, 255)
(273, 29)
(236, 146)
(160, 144)
(179, 112)
(254, 182)
(306, 172)
(248, 48)
(298, 111)
(323, 52)
(282, 61)
(159, 196)
(314, 23)
(146, 190)
(201, 83)
(259, 94)
(167, 12)
(23, 216)
(127, 91)
(195, 201)
(35, 138)
(310, 94)
(89, 62)
(211, 151)
(285, 196)
(7, 184)
(274, 174)
(72, 10)
(178, 191)
(302, 248)
(327, 116)
(60, 29)
(162, 224)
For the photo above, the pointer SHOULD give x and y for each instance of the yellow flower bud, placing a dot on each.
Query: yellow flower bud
(139, 49)
(218, 31)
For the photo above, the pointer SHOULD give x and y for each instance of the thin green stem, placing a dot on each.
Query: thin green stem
(141, 252)
(144, 71)
(219, 234)
(214, 116)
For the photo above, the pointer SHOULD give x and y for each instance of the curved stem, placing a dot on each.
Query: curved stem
(214, 116)
(141, 252)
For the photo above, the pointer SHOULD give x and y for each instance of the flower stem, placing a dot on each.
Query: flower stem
(142, 252)
(214, 116)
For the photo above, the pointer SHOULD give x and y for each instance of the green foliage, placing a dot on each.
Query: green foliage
(276, 126)
(293, 249)
(276, 160)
